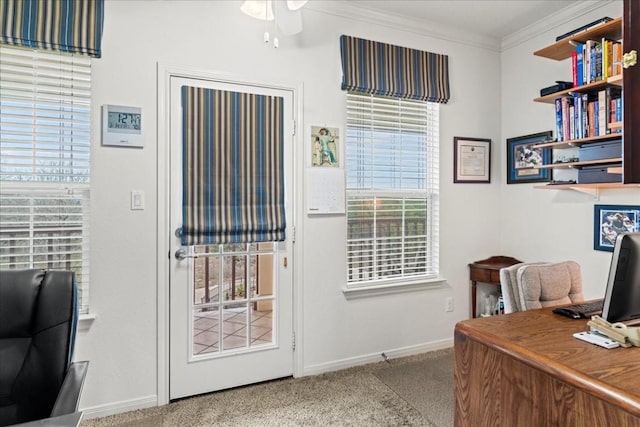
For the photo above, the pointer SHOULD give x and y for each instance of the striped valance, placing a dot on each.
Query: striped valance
(387, 70)
(233, 170)
(73, 26)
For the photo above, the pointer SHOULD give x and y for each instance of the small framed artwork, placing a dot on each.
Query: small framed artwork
(611, 220)
(472, 160)
(523, 158)
(324, 146)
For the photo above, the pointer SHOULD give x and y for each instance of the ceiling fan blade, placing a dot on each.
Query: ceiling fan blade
(288, 21)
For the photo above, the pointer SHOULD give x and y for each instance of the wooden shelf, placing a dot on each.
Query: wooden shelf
(600, 84)
(570, 165)
(579, 142)
(588, 188)
(562, 49)
(615, 80)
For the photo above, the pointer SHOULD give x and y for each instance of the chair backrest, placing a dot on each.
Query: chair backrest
(550, 284)
(38, 317)
(511, 294)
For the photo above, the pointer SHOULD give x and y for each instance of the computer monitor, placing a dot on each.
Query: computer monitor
(622, 298)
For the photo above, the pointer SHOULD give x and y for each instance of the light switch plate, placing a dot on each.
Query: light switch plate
(137, 200)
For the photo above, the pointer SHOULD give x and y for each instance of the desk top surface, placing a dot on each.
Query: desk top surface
(545, 341)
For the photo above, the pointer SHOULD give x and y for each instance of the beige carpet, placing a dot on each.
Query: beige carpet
(426, 385)
(404, 392)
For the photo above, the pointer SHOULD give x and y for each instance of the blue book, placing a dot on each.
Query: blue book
(580, 63)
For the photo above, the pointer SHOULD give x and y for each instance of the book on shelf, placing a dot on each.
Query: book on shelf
(558, 105)
(584, 130)
(603, 127)
(591, 115)
(579, 71)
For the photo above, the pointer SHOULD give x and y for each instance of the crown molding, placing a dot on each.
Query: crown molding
(569, 13)
(444, 32)
(418, 26)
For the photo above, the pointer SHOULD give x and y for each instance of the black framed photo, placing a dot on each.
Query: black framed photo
(472, 160)
(523, 158)
(611, 220)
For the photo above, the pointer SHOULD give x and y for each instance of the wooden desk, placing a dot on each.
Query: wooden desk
(526, 369)
(487, 271)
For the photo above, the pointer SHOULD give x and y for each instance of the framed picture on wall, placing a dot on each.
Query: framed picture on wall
(324, 146)
(611, 220)
(471, 160)
(523, 158)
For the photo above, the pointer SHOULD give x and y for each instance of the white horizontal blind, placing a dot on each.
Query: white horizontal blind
(45, 112)
(392, 168)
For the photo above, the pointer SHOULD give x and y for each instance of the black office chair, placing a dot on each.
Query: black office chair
(38, 318)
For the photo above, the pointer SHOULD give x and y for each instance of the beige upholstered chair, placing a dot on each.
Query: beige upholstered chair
(509, 285)
(545, 285)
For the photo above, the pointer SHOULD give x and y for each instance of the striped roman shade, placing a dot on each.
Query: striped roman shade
(73, 26)
(233, 171)
(394, 71)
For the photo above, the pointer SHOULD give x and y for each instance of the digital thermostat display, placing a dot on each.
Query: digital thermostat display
(122, 126)
(125, 122)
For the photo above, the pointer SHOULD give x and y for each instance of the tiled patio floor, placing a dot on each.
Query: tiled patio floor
(206, 329)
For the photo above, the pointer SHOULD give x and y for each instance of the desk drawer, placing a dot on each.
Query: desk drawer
(484, 275)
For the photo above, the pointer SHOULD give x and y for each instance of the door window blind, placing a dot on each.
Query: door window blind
(45, 112)
(392, 165)
(233, 169)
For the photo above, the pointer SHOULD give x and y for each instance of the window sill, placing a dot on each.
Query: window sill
(85, 321)
(392, 288)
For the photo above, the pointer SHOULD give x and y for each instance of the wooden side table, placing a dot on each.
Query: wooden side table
(487, 271)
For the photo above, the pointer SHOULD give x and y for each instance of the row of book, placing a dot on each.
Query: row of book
(595, 60)
(585, 115)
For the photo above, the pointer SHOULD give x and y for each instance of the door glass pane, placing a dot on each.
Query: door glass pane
(234, 326)
(205, 330)
(234, 277)
(261, 327)
(206, 275)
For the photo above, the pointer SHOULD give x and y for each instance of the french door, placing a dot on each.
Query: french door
(230, 304)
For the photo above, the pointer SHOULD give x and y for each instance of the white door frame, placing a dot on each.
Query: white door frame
(164, 74)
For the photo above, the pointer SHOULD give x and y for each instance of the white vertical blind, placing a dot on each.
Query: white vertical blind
(45, 112)
(392, 168)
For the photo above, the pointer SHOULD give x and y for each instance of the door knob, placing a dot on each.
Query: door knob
(181, 254)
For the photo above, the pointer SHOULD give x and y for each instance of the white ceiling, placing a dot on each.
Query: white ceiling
(491, 18)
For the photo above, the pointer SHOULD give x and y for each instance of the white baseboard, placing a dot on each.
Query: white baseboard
(119, 407)
(376, 357)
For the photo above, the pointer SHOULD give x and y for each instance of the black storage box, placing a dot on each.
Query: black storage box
(560, 85)
(601, 150)
(598, 174)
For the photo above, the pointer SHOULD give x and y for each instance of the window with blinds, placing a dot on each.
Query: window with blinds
(45, 113)
(392, 169)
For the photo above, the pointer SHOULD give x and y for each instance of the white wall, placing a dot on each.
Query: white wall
(548, 224)
(476, 220)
